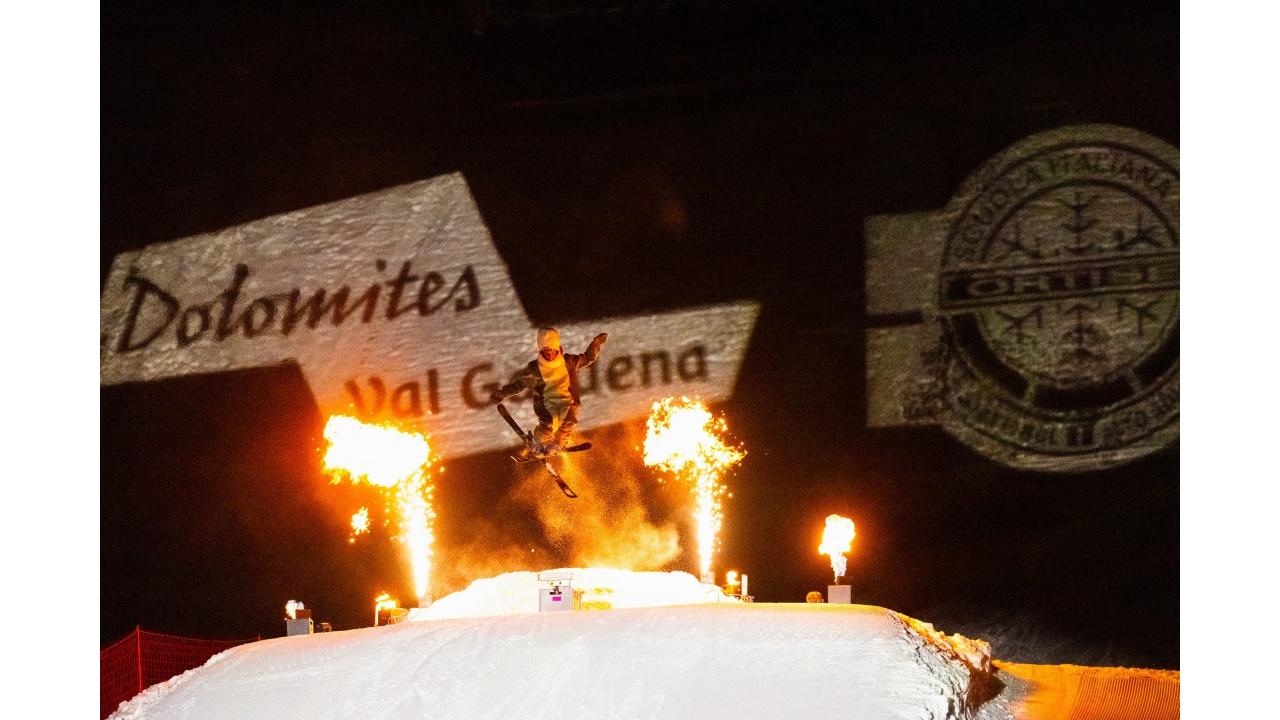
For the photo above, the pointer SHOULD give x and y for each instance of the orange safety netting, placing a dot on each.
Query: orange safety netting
(142, 659)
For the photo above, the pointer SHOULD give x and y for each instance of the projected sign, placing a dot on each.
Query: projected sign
(1035, 318)
(396, 305)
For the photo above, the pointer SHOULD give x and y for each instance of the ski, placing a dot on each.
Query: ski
(527, 439)
(564, 486)
(571, 449)
(502, 410)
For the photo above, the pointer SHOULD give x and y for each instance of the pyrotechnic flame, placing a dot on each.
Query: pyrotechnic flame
(379, 603)
(731, 583)
(376, 454)
(684, 439)
(837, 541)
(360, 522)
(399, 464)
(292, 607)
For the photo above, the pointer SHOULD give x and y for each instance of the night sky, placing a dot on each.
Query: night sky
(671, 155)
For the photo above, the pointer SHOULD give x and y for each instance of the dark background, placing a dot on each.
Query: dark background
(671, 154)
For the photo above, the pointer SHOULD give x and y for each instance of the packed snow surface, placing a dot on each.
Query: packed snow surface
(487, 653)
(517, 592)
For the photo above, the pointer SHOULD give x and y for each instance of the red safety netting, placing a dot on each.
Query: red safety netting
(142, 659)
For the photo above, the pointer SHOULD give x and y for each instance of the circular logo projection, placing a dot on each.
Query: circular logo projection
(1058, 301)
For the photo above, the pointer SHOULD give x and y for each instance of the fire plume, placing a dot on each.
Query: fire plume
(360, 522)
(684, 438)
(837, 541)
(399, 464)
(380, 603)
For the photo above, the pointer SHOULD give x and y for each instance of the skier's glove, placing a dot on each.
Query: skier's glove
(496, 397)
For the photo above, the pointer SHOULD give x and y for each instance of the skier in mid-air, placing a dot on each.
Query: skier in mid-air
(553, 378)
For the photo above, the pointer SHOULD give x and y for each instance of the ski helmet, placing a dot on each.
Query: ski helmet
(548, 338)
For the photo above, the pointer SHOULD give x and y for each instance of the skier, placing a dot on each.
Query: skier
(553, 378)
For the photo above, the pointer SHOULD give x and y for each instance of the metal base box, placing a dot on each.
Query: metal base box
(840, 594)
(551, 601)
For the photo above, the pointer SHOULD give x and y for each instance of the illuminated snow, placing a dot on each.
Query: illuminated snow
(517, 592)
(669, 648)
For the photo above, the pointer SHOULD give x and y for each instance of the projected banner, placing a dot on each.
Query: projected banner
(396, 305)
(1035, 318)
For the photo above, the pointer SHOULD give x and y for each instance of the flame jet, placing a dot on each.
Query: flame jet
(399, 464)
(684, 438)
(837, 541)
(359, 523)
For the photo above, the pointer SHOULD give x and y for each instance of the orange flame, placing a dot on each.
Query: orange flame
(360, 522)
(684, 439)
(379, 603)
(399, 464)
(837, 541)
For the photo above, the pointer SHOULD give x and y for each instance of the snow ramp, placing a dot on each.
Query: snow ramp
(752, 660)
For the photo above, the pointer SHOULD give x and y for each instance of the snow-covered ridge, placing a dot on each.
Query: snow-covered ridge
(709, 657)
(975, 653)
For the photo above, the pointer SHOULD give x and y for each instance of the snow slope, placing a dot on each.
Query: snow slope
(517, 592)
(713, 658)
